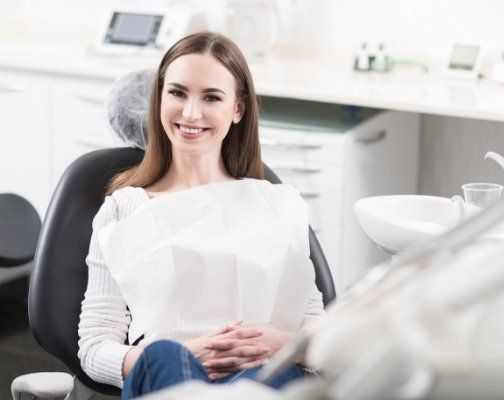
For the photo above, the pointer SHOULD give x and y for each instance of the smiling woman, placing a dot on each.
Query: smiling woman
(202, 90)
(197, 260)
(194, 105)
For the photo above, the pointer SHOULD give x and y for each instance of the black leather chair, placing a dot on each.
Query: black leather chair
(19, 230)
(60, 275)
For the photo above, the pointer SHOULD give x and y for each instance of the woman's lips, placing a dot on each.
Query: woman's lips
(187, 135)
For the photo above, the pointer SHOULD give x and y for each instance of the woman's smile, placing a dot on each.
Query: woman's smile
(190, 131)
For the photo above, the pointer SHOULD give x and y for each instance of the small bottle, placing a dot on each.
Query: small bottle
(362, 61)
(380, 60)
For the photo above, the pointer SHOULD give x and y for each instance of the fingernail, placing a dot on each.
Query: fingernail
(207, 364)
(212, 377)
(265, 349)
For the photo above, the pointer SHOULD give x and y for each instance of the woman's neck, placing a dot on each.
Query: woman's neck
(187, 172)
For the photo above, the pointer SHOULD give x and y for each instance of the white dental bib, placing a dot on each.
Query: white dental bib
(189, 262)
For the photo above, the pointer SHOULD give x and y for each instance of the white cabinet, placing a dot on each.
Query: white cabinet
(25, 138)
(79, 121)
(47, 122)
(335, 157)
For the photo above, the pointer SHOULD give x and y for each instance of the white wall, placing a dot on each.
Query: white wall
(408, 27)
(421, 29)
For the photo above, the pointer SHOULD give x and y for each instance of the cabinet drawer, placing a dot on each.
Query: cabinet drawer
(79, 108)
(307, 174)
(302, 147)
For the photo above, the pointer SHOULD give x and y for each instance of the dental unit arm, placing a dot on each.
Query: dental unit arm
(427, 327)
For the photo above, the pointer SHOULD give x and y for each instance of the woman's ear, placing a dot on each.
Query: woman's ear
(239, 110)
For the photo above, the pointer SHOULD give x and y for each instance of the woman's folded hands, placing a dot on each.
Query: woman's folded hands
(234, 348)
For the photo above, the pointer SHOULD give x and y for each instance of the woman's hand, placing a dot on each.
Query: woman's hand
(240, 352)
(274, 339)
(130, 359)
(232, 355)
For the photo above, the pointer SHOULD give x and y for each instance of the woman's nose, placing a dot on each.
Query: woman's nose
(192, 110)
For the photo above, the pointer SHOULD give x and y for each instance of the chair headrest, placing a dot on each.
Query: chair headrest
(127, 107)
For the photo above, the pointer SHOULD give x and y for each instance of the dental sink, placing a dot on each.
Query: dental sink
(395, 222)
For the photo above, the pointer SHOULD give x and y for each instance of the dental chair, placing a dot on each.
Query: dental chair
(59, 278)
(19, 231)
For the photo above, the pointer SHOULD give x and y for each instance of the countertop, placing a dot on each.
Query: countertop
(316, 78)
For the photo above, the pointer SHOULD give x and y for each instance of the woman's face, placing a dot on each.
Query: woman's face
(198, 104)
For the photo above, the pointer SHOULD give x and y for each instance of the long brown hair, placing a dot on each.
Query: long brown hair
(240, 151)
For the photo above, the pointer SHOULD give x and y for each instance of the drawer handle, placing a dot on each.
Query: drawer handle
(296, 170)
(380, 135)
(90, 98)
(305, 170)
(309, 195)
(289, 146)
(12, 88)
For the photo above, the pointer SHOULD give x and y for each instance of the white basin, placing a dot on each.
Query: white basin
(395, 222)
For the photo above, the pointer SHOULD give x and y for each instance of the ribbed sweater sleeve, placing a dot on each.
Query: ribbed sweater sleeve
(104, 318)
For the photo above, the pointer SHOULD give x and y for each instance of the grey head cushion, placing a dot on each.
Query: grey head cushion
(127, 107)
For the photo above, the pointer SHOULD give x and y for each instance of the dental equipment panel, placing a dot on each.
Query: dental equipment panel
(464, 61)
(131, 30)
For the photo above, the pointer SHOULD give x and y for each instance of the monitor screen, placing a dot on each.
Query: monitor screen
(133, 29)
(464, 57)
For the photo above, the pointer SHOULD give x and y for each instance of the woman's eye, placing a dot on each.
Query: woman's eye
(176, 93)
(212, 98)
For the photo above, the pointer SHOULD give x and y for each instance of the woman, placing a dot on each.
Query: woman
(194, 258)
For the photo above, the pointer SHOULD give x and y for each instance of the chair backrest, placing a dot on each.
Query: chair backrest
(19, 230)
(60, 273)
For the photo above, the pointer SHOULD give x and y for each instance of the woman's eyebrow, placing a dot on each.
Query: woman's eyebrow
(208, 90)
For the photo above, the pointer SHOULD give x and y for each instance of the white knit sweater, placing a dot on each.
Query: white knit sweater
(105, 319)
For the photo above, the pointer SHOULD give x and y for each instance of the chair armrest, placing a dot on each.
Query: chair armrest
(42, 385)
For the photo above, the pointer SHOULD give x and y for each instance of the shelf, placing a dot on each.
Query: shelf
(310, 116)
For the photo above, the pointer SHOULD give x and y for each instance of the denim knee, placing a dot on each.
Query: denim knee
(168, 355)
(165, 347)
(162, 364)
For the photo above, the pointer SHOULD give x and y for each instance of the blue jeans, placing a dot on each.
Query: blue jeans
(166, 363)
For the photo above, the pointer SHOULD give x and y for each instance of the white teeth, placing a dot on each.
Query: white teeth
(190, 130)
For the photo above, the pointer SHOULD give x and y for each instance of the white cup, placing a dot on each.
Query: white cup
(482, 194)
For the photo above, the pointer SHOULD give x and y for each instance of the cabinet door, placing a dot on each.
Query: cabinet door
(381, 160)
(303, 147)
(24, 139)
(79, 121)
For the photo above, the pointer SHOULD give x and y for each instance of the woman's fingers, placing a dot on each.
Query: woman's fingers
(229, 338)
(233, 364)
(217, 375)
(243, 351)
(220, 331)
(219, 364)
(227, 328)
(226, 344)
(252, 364)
